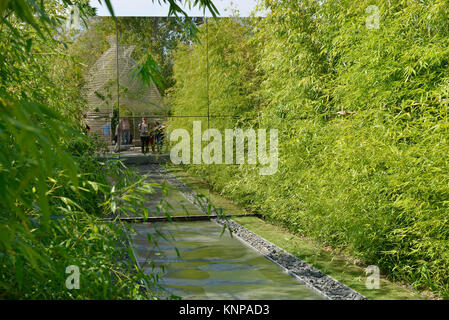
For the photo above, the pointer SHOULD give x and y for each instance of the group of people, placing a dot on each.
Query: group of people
(151, 136)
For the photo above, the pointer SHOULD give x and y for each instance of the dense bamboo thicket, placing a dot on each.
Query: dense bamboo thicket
(53, 190)
(363, 124)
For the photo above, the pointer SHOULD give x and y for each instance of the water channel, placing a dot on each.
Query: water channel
(198, 261)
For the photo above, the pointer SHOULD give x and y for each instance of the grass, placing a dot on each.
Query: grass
(340, 267)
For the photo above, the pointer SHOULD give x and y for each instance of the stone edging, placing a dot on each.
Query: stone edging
(313, 278)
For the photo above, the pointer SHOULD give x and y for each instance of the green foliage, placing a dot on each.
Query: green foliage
(54, 191)
(363, 122)
(53, 195)
(156, 37)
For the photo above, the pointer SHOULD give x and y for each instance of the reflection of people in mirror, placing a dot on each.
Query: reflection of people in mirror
(126, 131)
(159, 135)
(118, 132)
(107, 129)
(144, 135)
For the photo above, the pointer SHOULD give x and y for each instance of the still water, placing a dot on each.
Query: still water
(211, 265)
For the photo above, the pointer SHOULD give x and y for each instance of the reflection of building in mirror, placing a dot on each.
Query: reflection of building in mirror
(135, 98)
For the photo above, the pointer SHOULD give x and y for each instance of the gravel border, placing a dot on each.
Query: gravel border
(313, 278)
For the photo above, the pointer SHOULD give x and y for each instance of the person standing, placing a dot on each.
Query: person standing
(159, 135)
(107, 129)
(126, 131)
(151, 137)
(118, 132)
(144, 135)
